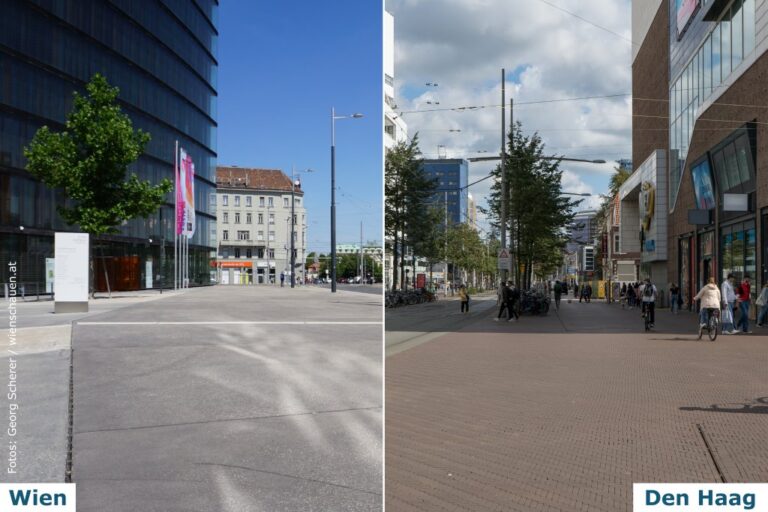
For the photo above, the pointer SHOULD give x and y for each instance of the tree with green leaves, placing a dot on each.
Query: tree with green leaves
(407, 189)
(89, 162)
(538, 213)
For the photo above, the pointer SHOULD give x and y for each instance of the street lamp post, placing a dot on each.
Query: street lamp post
(293, 222)
(334, 117)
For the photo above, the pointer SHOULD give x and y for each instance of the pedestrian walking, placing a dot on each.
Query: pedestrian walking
(514, 299)
(728, 296)
(762, 302)
(464, 297)
(282, 279)
(674, 296)
(744, 301)
(504, 298)
(588, 295)
(576, 290)
(558, 289)
(564, 285)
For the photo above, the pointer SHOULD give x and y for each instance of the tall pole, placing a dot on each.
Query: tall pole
(361, 252)
(293, 225)
(333, 200)
(445, 193)
(176, 218)
(512, 250)
(504, 192)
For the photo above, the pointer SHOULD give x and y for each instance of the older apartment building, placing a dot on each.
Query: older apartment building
(255, 225)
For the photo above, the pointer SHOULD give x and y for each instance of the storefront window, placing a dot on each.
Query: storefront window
(685, 270)
(738, 245)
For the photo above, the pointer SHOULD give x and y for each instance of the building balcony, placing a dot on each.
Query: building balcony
(243, 243)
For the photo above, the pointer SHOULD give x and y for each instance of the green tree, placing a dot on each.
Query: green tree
(89, 162)
(407, 189)
(538, 213)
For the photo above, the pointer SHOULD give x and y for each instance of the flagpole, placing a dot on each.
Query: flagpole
(176, 219)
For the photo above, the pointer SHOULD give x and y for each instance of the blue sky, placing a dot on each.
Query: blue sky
(282, 66)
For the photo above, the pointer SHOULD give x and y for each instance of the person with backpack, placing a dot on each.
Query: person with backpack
(648, 293)
(514, 298)
(674, 295)
(558, 289)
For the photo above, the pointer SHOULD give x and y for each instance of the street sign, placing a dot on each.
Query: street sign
(504, 259)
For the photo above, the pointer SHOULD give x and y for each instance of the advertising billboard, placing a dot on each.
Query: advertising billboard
(685, 10)
(703, 187)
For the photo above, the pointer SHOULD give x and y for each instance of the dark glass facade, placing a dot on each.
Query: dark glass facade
(451, 176)
(161, 54)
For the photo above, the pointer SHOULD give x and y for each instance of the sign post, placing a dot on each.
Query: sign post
(504, 260)
(71, 272)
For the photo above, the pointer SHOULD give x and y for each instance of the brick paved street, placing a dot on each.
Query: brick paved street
(566, 412)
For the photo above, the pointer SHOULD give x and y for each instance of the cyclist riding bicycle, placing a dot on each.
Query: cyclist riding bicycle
(648, 292)
(711, 301)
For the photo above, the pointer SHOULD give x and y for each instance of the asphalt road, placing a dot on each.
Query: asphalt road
(230, 399)
(566, 412)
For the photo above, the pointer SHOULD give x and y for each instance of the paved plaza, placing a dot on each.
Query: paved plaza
(224, 398)
(565, 412)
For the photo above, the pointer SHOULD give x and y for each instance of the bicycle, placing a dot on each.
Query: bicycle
(713, 322)
(646, 317)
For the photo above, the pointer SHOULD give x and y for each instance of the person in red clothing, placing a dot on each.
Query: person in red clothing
(743, 299)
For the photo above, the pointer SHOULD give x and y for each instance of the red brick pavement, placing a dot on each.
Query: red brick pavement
(509, 417)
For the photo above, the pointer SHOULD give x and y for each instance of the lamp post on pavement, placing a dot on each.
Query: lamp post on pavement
(334, 117)
(294, 184)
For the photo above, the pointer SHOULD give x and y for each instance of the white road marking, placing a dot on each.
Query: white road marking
(233, 323)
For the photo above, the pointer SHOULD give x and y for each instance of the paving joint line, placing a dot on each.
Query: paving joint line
(712, 457)
(70, 406)
(232, 466)
(226, 420)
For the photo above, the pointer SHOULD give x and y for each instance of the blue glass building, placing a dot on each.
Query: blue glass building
(452, 176)
(161, 54)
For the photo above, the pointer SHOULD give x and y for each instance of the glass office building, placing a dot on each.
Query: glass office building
(451, 175)
(161, 54)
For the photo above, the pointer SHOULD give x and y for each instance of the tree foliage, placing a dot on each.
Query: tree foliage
(89, 161)
(407, 189)
(537, 212)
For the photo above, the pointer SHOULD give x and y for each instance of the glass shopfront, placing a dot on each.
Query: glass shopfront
(707, 264)
(738, 246)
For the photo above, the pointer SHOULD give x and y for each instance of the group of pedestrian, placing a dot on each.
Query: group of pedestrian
(631, 295)
(586, 293)
(736, 298)
(509, 296)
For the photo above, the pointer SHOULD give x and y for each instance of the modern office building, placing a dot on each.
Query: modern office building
(451, 175)
(255, 228)
(715, 131)
(395, 127)
(161, 54)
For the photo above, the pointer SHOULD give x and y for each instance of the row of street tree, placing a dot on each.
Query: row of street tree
(537, 215)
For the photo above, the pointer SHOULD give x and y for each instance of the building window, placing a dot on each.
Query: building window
(225, 235)
(237, 252)
(237, 217)
(259, 253)
(271, 236)
(260, 236)
(261, 218)
(248, 201)
(249, 253)
(243, 235)
(271, 253)
(261, 202)
(298, 202)
(271, 218)
(285, 202)
(224, 200)
(616, 239)
(237, 200)
(249, 218)
(225, 218)
(271, 201)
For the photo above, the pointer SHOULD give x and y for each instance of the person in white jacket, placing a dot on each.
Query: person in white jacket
(729, 296)
(710, 299)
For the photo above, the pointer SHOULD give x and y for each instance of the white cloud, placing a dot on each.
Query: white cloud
(463, 44)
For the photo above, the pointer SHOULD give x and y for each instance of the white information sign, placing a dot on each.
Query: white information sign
(71, 267)
(148, 274)
(504, 259)
(49, 273)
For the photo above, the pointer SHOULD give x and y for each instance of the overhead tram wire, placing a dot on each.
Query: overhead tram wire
(585, 20)
(468, 108)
